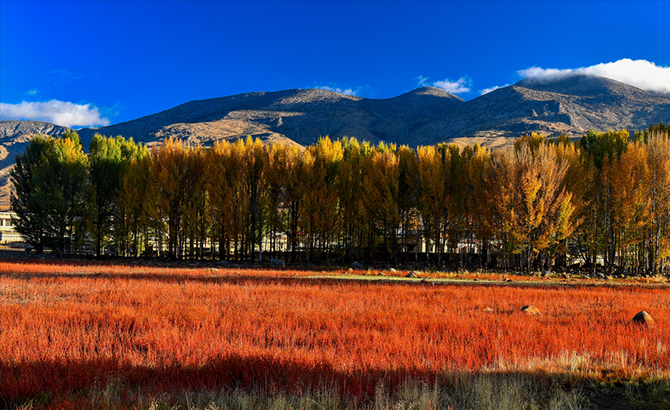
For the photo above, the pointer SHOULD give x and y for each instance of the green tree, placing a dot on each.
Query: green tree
(50, 196)
(135, 205)
(105, 167)
(26, 200)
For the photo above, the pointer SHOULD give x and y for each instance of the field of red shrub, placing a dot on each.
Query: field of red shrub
(66, 328)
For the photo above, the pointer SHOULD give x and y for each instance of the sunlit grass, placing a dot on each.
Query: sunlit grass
(73, 330)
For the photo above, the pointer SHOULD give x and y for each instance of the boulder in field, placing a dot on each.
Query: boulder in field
(643, 318)
(276, 262)
(411, 275)
(488, 310)
(531, 310)
(356, 266)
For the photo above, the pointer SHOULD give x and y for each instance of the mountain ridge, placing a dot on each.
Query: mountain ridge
(290, 116)
(568, 105)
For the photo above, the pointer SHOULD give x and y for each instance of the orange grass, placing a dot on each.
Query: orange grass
(67, 328)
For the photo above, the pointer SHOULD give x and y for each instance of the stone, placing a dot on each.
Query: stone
(488, 310)
(545, 274)
(508, 280)
(356, 266)
(531, 310)
(391, 270)
(222, 262)
(643, 318)
(411, 275)
(276, 262)
(350, 270)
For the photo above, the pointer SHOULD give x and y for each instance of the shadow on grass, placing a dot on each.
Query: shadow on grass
(237, 277)
(24, 381)
(47, 382)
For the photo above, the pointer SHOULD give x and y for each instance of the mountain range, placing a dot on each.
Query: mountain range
(570, 105)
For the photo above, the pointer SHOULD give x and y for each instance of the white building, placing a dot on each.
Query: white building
(7, 232)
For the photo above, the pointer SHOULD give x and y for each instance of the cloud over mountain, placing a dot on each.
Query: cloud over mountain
(62, 113)
(353, 91)
(642, 74)
(462, 85)
(488, 90)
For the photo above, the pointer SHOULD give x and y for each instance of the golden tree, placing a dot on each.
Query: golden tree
(319, 203)
(658, 164)
(169, 167)
(528, 201)
(383, 183)
(434, 170)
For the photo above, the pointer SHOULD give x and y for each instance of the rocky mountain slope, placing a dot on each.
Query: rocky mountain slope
(427, 115)
(14, 135)
(570, 106)
(291, 116)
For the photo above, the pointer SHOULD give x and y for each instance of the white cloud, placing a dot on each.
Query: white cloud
(32, 92)
(348, 91)
(423, 81)
(638, 73)
(462, 85)
(61, 113)
(488, 90)
(365, 89)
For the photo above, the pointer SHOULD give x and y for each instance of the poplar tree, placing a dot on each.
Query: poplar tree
(434, 169)
(31, 212)
(169, 175)
(319, 202)
(136, 205)
(105, 167)
(50, 196)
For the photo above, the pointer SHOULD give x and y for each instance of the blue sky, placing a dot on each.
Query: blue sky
(85, 63)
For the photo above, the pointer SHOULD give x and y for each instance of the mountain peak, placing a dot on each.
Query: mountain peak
(579, 85)
(9, 129)
(433, 91)
(312, 95)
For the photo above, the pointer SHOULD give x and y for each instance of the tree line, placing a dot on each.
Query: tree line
(537, 205)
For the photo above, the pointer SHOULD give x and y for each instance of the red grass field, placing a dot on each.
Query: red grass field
(68, 328)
